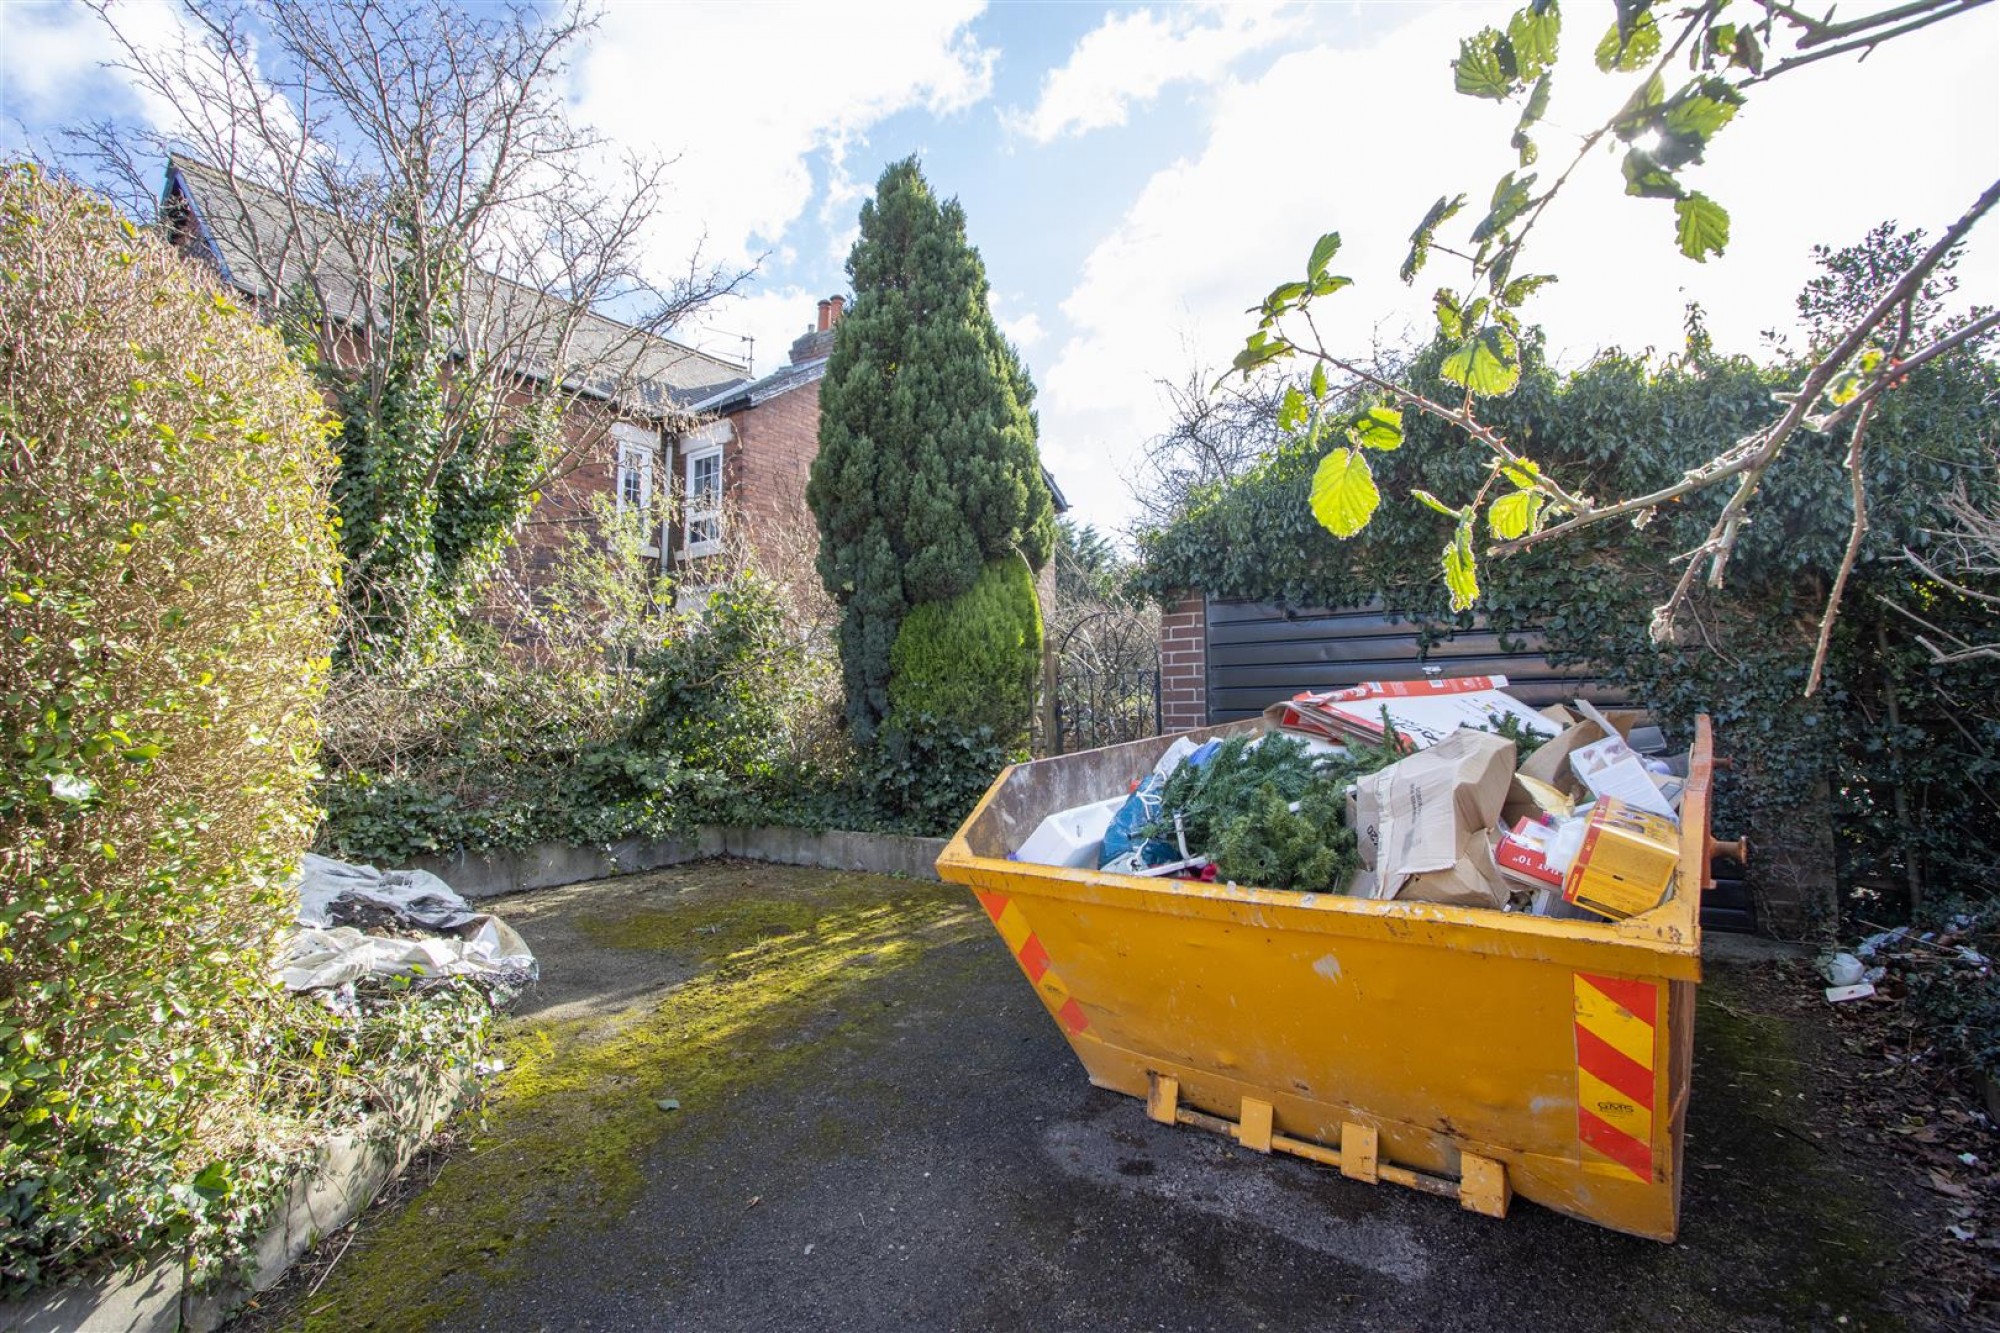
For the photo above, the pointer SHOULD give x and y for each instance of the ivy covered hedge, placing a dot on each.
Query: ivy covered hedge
(1625, 425)
(167, 583)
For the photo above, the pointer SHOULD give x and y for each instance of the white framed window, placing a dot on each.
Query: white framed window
(637, 448)
(702, 451)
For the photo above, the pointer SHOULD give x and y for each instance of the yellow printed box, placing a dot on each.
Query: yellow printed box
(1626, 864)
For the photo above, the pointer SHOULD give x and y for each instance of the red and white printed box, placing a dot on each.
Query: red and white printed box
(1523, 854)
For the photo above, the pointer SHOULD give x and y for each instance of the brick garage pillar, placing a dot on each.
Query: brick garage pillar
(1184, 665)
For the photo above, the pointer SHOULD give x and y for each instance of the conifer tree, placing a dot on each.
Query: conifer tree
(927, 467)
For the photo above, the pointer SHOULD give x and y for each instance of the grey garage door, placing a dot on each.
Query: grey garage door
(1259, 654)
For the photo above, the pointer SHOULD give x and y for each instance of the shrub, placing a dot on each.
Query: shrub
(971, 662)
(708, 725)
(166, 593)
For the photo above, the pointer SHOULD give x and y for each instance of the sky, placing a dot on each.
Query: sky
(1135, 177)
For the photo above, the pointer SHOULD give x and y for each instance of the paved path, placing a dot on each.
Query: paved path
(879, 1128)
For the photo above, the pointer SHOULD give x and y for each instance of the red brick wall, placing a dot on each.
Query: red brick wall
(1184, 665)
(766, 464)
(589, 468)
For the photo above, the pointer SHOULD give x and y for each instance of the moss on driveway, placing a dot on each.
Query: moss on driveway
(874, 1124)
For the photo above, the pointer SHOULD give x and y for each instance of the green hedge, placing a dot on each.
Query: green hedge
(1624, 425)
(166, 595)
(972, 662)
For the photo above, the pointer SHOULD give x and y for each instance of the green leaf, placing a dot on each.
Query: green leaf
(1537, 107)
(1511, 198)
(1461, 567)
(1748, 53)
(1440, 213)
(1292, 409)
(1534, 35)
(1318, 380)
(1513, 514)
(1450, 316)
(1525, 286)
(1377, 428)
(1629, 53)
(213, 1184)
(1343, 492)
(1485, 65)
(1702, 226)
(1435, 503)
(1323, 252)
(1702, 108)
(1282, 297)
(1487, 364)
(1641, 110)
(1647, 179)
(1719, 40)
(1522, 472)
(1260, 350)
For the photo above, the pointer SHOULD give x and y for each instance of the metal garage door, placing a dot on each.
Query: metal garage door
(1259, 654)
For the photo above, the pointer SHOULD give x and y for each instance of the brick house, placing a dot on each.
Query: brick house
(634, 398)
(649, 412)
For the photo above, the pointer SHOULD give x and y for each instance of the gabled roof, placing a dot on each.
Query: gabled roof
(249, 233)
(1055, 492)
(736, 397)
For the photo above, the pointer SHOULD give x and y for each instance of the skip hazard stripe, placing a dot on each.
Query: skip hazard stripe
(1613, 1023)
(1640, 999)
(1034, 958)
(1634, 1156)
(1027, 949)
(1616, 1021)
(1613, 1066)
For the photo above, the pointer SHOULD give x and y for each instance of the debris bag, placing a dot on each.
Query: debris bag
(358, 921)
(1428, 815)
(1122, 838)
(328, 887)
(484, 947)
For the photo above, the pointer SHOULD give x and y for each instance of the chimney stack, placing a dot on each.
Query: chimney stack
(825, 318)
(837, 306)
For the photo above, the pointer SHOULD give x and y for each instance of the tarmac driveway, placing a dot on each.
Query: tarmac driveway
(755, 1097)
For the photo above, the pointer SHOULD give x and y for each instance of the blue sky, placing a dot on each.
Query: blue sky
(1136, 176)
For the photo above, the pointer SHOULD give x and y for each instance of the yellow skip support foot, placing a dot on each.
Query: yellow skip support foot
(1483, 1186)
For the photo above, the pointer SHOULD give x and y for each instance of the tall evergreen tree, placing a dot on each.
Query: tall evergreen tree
(927, 466)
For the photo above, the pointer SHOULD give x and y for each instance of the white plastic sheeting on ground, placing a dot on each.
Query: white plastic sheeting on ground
(458, 942)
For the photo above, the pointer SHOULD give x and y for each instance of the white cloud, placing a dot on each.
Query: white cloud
(744, 95)
(1024, 331)
(1209, 234)
(45, 49)
(1132, 55)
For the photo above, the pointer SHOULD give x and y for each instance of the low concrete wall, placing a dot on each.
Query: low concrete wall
(546, 865)
(835, 849)
(352, 1169)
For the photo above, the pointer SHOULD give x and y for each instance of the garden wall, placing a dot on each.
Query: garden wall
(546, 865)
